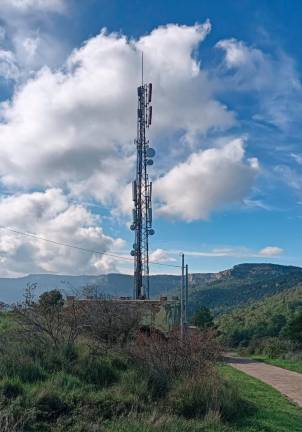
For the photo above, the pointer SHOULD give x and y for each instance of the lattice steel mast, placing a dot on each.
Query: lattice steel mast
(142, 193)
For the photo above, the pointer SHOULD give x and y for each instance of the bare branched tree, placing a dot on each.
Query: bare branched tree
(47, 320)
(175, 356)
(110, 322)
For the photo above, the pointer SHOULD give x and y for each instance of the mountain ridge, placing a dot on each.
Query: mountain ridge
(219, 291)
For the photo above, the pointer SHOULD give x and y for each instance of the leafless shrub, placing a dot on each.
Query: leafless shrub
(47, 320)
(175, 356)
(110, 322)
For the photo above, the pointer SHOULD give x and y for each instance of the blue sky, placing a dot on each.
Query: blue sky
(227, 130)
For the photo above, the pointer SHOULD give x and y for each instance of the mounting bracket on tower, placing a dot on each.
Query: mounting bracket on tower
(142, 192)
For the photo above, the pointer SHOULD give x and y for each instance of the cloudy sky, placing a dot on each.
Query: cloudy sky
(226, 127)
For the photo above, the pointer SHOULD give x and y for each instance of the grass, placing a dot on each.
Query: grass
(293, 365)
(267, 411)
(264, 410)
(272, 412)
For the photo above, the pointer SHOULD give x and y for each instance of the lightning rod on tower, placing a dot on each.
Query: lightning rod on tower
(142, 193)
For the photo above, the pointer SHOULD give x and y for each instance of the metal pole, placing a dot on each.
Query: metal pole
(182, 295)
(186, 294)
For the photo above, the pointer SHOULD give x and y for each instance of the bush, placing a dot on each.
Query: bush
(11, 389)
(60, 359)
(30, 373)
(108, 404)
(205, 393)
(272, 347)
(66, 382)
(119, 363)
(50, 406)
(94, 371)
(294, 356)
(203, 318)
(174, 357)
(293, 329)
(134, 382)
(158, 384)
(23, 368)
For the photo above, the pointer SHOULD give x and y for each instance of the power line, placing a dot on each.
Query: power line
(71, 246)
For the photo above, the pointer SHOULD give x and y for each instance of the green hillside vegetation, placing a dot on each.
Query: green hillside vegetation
(272, 326)
(242, 284)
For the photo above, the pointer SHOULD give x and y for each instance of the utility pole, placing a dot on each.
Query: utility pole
(186, 294)
(142, 193)
(182, 296)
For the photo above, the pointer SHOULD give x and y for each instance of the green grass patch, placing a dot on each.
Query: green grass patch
(272, 413)
(293, 365)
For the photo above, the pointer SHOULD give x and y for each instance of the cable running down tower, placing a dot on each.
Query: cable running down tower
(142, 194)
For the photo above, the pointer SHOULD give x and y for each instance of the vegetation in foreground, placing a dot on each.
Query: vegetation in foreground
(264, 410)
(86, 368)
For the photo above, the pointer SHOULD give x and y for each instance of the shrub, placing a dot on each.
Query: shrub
(11, 422)
(294, 356)
(65, 381)
(30, 373)
(119, 363)
(293, 329)
(96, 371)
(158, 384)
(174, 357)
(203, 318)
(109, 323)
(24, 368)
(63, 358)
(272, 347)
(202, 394)
(11, 389)
(108, 404)
(50, 406)
(134, 382)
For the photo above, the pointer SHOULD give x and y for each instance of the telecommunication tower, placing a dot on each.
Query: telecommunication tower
(142, 193)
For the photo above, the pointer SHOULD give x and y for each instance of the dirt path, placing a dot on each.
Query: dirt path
(287, 382)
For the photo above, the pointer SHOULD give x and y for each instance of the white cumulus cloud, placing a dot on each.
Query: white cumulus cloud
(52, 216)
(207, 180)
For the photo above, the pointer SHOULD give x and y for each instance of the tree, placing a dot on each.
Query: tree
(203, 318)
(277, 323)
(47, 320)
(293, 329)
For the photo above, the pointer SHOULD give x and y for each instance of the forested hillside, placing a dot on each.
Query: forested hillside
(242, 284)
(278, 316)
